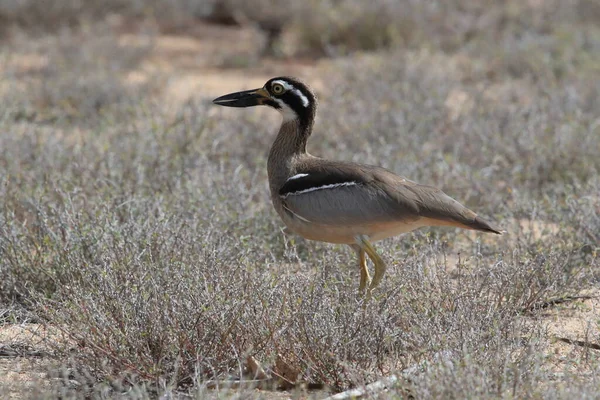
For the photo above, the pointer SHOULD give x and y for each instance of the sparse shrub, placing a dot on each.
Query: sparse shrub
(38, 16)
(80, 76)
(148, 239)
(339, 27)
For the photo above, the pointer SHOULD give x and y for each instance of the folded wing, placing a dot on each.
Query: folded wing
(344, 195)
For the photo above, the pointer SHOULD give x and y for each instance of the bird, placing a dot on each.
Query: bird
(338, 201)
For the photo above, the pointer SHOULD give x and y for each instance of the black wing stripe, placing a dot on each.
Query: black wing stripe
(315, 180)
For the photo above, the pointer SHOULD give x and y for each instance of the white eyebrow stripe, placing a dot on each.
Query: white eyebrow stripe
(285, 85)
(304, 99)
(312, 189)
(297, 176)
(296, 91)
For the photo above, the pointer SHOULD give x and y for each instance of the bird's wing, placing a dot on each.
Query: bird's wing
(432, 203)
(343, 194)
(337, 193)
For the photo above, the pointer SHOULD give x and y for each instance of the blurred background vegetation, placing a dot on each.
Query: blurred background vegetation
(137, 235)
(322, 27)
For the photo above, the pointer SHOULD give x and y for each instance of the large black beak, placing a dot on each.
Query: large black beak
(247, 98)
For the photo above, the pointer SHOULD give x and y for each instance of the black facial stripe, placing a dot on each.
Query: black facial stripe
(295, 85)
(292, 98)
(294, 102)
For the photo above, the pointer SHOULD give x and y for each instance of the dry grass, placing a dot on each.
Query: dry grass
(146, 237)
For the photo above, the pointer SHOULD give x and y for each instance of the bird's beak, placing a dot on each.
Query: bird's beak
(247, 98)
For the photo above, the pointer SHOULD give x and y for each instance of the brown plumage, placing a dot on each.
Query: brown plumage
(337, 201)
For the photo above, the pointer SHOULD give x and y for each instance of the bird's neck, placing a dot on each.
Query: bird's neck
(289, 145)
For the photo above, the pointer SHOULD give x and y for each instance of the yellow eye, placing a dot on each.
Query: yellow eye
(277, 88)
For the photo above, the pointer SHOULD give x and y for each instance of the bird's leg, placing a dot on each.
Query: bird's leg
(365, 277)
(368, 248)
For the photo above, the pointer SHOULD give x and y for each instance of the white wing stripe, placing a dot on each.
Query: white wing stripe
(312, 189)
(297, 176)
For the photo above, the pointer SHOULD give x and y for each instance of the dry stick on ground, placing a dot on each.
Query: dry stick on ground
(382, 384)
(370, 389)
(580, 343)
(20, 350)
(555, 302)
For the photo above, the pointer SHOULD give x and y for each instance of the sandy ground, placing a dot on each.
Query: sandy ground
(24, 359)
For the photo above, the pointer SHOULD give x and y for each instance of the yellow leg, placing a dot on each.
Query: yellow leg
(368, 248)
(365, 278)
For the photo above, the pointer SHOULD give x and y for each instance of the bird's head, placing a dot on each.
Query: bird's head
(291, 97)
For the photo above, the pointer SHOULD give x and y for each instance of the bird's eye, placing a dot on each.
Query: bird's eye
(277, 88)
